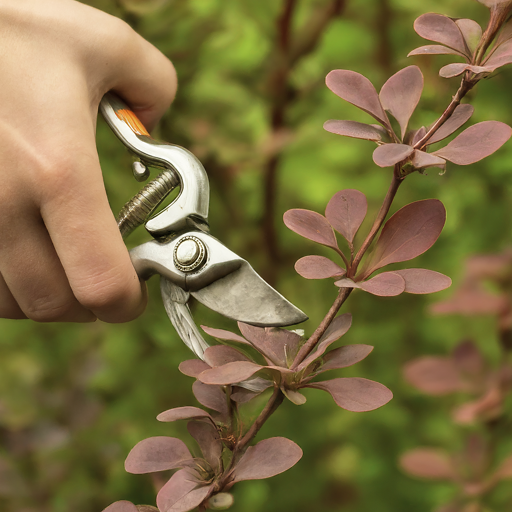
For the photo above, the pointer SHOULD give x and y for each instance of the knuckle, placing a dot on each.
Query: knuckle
(48, 309)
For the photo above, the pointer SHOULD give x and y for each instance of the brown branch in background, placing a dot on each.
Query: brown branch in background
(288, 52)
(383, 29)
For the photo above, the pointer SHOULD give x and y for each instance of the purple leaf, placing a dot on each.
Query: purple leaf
(180, 493)
(435, 49)
(452, 70)
(420, 280)
(355, 394)
(460, 116)
(346, 211)
(274, 343)
(242, 395)
(219, 355)
(311, 225)
(230, 373)
(390, 154)
(183, 413)
(318, 267)
(505, 33)
(212, 397)
(346, 282)
(121, 506)
(294, 396)
(469, 360)
(338, 327)
(428, 463)
(476, 142)
(356, 130)
(157, 454)
(387, 284)
(471, 31)
(434, 375)
(208, 440)
(193, 367)
(401, 93)
(500, 57)
(408, 233)
(422, 160)
(221, 334)
(345, 356)
(357, 90)
(267, 458)
(441, 29)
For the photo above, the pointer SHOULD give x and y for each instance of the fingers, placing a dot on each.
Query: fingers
(8, 306)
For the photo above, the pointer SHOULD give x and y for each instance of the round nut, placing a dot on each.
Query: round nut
(189, 254)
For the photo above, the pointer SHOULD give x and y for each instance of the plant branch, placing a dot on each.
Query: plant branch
(313, 340)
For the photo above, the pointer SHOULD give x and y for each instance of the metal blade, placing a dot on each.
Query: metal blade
(244, 296)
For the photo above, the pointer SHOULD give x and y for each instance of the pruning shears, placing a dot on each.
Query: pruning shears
(189, 260)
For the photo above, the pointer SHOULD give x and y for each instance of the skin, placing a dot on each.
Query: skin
(62, 257)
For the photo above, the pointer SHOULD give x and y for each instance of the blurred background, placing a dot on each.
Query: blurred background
(74, 399)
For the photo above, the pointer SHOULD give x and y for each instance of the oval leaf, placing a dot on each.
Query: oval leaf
(121, 506)
(230, 373)
(221, 334)
(387, 284)
(460, 116)
(408, 233)
(422, 160)
(420, 280)
(476, 143)
(434, 49)
(434, 375)
(181, 493)
(441, 29)
(318, 267)
(267, 458)
(346, 211)
(358, 90)
(183, 413)
(193, 367)
(157, 454)
(452, 70)
(219, 355)
(355, 394)
(356, 130)
(401, 93)
(345, 356)
(311, 225)
(208, 440)
(390, 154)
(428, 463)
(471, 32)
(212, 397)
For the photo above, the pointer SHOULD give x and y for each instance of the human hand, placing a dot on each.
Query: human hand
(62, 257)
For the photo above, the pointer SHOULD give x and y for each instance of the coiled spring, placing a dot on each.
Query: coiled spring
(137, 211)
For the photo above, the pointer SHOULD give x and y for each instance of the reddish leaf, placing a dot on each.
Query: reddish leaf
(452, 70)
(420, 280)
(183, 413)
(460, 116)
(468, 359)
(221, 334)
(390, 154)
(355, 394)
(345, 356)
(193, 367)
(434, 375)
(422, 160)
(121, 506)
(469, 301)
(311, 225)
(157, 454)
(488, 407)
(428, 463)
(179, 494)
(208, 440)
(358, 90)
(408, 233)
(435, 49)
(211, 396)
(318, 267)
(401, 93)
(338, 327)
(275, 344)
(387, 284)
(230, 373)
(441, 29)
(500, 57)
(347, 283)
(219, 355)
(471, 31)
(346, 211)
(476, 142)
(267, 458)
(356, 130)
(294, 396)
(242, 395)
(505, 33)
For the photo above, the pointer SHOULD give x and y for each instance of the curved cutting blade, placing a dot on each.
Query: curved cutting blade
(244, 296)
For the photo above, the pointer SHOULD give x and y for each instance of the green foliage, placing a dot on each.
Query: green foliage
(74, 399)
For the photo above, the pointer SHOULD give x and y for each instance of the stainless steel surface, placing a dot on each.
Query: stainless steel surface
(140, 171)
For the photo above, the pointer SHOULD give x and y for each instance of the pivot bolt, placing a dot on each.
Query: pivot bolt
(189, 254)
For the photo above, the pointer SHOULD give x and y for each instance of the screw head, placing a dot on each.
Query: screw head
(189, 254)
